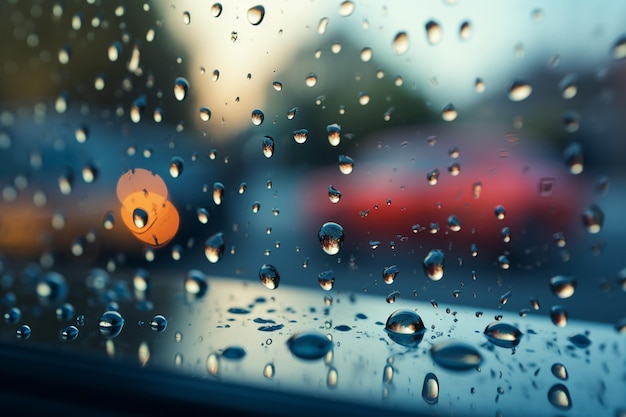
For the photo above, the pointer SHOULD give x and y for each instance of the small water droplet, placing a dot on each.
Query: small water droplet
(111, 324)
(405, 327)
(503, 334)
(268, 146)
(346, 164)
(181, 88)
(326, 279)
(434, 32)
(334, 195)
(506, 234)
(433, 264)
(269, 276)
(218, 193)
(176, 166)
(334, 134)
(309, 345)
(504, 262)
(579, 340)
(465, 31)
(560, 371)
(65, 312)
(558, 315)
(390, 273)
(196, 285)
(140, 218)
(256, 14)
(23, 332)
(203, 215)
(216, 9)
(205, 114)
(430, 389)
(433, 177)
(593, 219)
(310, 80)
(568, 86)
(214, 247)
(300, 135)
(331, 237)
(291, 113)
(158, 323)
(456, 355)
(454, 223)
(186, 18)
(400, 43)
(391, 297)
(69, 333)
(346, 8)
(449, 113)
(257, 117)
(519, 91)
(619, 48)
(559, 396)
(563, 286)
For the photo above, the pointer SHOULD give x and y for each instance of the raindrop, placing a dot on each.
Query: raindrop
(334, 195)
(268, 146)
(390, 273)
(504, 298)
(454, 223)
(140, 218)
(500, 212)
(571, 121)
(256, 15)
(560, 371)
(465, 30)
(23, 332)
(326, 279)
(203, 215)
(449, 113)
(391, 297)
(456, 355)
(310, 80)
(593, 219)
(573, 156)
(619, 48)
(474, 250)
(309, 345)
(434, 33)
(405, 327)
(433, 177)
(13, 315)
(111, 324)
(256, 206)
(364, 98)
(114, 51)
(215, 75)
(366, 54)
(176, 166)
(89, 173)
(158, 323)
(269, 370)
(331, 237)
(334, 134)
(332, 378)
(216, 9)
(291, 113)
(196, 284)
(278, 86)
(205, 114)
(558, 315)
(579, 340)
(300, 135)
(218, 193)
(257, 117)
(214, 247)
(65, 312)
(503, 334)
(568, 86)
(430, 389)
(559, 397)
(234, 353)
(186, 18)
(69, 333)
(563, 286)
(181, 88)
(433, 264)
(52, 289)
(504, 262)
(346, 164)
(346, 8)
(400, 43)
(479, 85)
(269, 276)
(519, 90)
(65, 181)
(109, 221)
(322, 25)
(506, 234)
(454, 169)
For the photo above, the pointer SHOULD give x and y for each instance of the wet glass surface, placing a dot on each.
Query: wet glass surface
(412, 207)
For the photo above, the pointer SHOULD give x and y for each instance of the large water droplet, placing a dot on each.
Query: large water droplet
(334, 134)
(400, 43)
(186, 18)
(346, 164)
(503, 334)
(559, 397)
(405, 327)
(111, 324)
(181, 88)
(433, 264)
(300, 135)
(430, 388)
(593, 219)
(563, 286)
(234, 353)
(560, 371)
(205, 114)
(196, 285)
(256, 14)
(309, 345)
(326, 279)
(456, 355)
(434, 33)
(214, 247)
(269, 276)
(140, 218)
(519, 90)
(257, 117)
(331, 237)
(558, 315)
(23, 332)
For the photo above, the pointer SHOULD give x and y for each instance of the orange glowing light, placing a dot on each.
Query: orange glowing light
(146, 211)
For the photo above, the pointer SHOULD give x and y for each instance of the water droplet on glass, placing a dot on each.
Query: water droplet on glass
(560, 371)
(334, 195)
(322, 25)
(269, 276)
(449, 113)
(203, 215)
(563, 286)
(573, 156)
(158, 323)
(346, 164)
(23, 332)
(196, 284)
(519, 90)
(391, 297)
(559, 396)
(268, 146)
(234, 353)
(433, 264)
(331, 237)
(176, 166)
(216, 9)
(506, 234)
(364, 98)
(454, 223)
(558, 315)
(186, 18)
(479, 85)
(291, 113)
(390, 273)
(218, 193)
(579, 340)
(111, 324)
(52, 289)
(456, 355)
(430, 389)
(346, 8)
(593, 219)
(503, 334)
(65, 312)
(504, 262)
(334, 134)
(400, 43)
(500, 212)
(310, 80)
(278, 86)
(465, 31)
(571, 121)
(434, 32)
(309, 345)
(326, 279)
(257, 117)
(205, 114)
(69, 333)
(114, 51)
(181, 88)
(454, 169)
(214, 247)
(13, 315)
(256, 15)
(433, 176)
(619, 48)
(568, 86)
(366, 54)
(405, 327)
(140, 218)
(256, 206)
